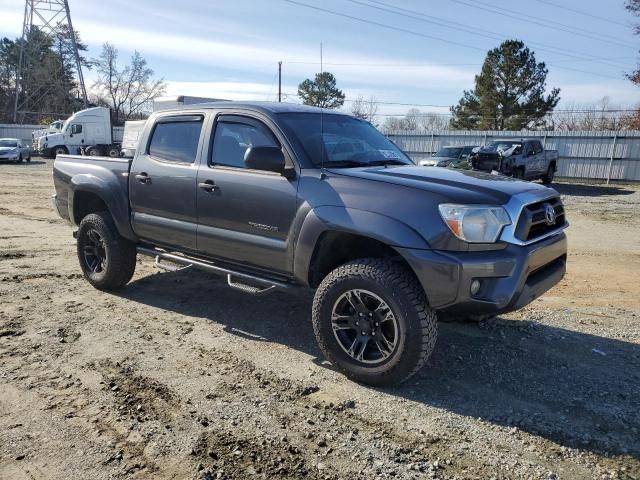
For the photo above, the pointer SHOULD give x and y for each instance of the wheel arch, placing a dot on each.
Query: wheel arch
(332, 236)
(90, 194)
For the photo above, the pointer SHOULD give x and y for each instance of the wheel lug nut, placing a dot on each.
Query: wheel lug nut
(357, 324)
(377, 324)
(373, 333)
(364, 333)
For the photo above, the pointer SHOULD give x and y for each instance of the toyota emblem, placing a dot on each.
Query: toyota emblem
(549, 214)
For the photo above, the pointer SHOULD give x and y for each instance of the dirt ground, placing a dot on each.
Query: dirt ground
(176, 376)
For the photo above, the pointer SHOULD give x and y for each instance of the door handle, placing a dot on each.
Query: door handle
(208, 185)
(143, 177)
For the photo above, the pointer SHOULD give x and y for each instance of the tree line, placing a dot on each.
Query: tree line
(49, 79)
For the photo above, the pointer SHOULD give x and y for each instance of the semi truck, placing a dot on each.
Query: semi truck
(89, 131)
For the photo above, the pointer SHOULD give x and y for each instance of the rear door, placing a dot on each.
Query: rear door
(162, 183)
(244, 215)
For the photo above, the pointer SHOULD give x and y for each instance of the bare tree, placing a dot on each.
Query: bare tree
(415, 119)
(600, 115)
(129, 91)
(365, 109)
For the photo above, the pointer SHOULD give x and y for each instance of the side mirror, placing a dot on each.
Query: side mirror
(270, 159)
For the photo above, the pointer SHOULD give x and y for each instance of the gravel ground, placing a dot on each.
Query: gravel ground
(176, 376)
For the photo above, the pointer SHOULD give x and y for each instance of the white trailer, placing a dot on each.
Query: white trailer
(166, 103)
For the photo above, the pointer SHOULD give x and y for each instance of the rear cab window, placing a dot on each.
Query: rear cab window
(176, 138)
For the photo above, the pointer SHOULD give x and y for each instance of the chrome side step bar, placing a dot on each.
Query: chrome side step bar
(264, 285)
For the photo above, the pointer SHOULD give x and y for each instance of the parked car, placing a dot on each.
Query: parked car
(524, 159)
(14, 149)
(277, 196)
(455, 157)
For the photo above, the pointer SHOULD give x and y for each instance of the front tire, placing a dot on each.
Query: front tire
(60, 150)
(372, 321)
(107, 260)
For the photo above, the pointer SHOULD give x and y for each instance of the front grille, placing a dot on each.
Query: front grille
(533, 222)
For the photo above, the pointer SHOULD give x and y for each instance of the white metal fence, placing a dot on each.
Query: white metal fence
(23, 132)
(585, 155)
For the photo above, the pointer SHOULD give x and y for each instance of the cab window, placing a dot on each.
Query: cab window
(76, 128)
(176, 139)
(232, 139)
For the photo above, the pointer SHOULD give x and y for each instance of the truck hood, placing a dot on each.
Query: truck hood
(461, 186)
(51, 139)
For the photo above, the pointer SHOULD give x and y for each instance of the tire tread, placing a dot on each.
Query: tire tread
(394, 277)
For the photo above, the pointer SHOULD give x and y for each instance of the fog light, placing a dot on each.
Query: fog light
(475, 287)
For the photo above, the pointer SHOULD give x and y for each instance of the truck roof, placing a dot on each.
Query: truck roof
(265, 107)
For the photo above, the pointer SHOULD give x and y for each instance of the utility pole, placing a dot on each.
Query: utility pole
(279, 81)
(44, 21)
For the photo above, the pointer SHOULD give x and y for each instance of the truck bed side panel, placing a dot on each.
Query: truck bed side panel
(105, 177)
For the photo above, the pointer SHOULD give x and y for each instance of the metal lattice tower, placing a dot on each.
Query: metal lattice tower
(53, 19)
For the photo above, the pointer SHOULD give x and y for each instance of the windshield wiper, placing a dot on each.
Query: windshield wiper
(363, 163)
(346, 163)
(387, 161)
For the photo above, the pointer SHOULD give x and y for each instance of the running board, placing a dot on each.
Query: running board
(237, 280)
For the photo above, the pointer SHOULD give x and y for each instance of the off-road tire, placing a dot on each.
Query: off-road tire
(120, 262)
(399, 288)
(548, 178)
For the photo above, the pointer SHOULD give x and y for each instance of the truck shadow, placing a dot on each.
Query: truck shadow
(575, 389)
(585, 190)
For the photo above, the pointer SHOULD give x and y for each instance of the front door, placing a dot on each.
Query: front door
(162, 183)
(244, 215)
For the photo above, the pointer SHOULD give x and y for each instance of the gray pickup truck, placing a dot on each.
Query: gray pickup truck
(524, 159)
(276, 196)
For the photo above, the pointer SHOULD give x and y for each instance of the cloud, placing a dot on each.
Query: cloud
(621, 92)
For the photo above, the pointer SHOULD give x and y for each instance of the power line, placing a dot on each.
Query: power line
(546, 23)
(419, 34)
(602, 60)
(384, 25)
(581, 12)
(475, 29)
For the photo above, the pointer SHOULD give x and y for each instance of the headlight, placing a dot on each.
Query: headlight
(475, 223)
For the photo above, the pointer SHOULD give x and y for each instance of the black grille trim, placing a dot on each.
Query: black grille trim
(532, 223)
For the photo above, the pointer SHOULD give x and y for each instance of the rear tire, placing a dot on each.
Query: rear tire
(548, 178)
(107, 260)
(390, 343)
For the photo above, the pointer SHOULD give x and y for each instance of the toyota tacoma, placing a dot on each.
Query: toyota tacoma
(277, 196)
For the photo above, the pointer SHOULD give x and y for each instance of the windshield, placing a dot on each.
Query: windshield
(504, 145)
(452, 152)
(8, 143)
(345, 141)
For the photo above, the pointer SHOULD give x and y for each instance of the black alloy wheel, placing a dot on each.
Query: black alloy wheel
(364, 326)
(95, 252)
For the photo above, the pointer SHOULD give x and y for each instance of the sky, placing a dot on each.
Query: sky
(403, 53)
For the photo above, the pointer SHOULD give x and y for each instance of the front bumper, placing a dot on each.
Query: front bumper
(509, 278)
(9, 157)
